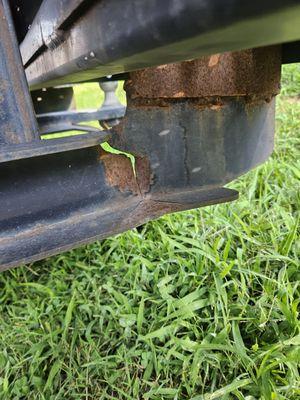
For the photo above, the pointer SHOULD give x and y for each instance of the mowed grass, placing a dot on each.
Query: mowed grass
(199, 305)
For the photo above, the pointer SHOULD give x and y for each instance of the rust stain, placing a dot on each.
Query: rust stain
(120, 173)
(213, 102)
(242, 73)
(207, 83)
(144, 176)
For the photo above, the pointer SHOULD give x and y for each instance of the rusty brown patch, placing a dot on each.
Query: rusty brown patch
(144, 176)
(120, 173)
(215, 103)
(242, 73)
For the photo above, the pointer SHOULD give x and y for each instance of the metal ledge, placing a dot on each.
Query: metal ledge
(44, 147)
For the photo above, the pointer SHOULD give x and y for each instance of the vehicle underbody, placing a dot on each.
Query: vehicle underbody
(201, 79)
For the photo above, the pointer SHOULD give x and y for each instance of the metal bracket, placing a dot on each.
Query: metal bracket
(19, 132)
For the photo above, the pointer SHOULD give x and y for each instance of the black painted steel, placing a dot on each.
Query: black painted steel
(47, 29)
(60, 193)
(52, 146)
(291, 53)
(53, 99)
(65, 120)
(84, 207)
(23, 13)
(61, 201)
(115, 36)
(17, 119)
(19, 132)
(192, 146)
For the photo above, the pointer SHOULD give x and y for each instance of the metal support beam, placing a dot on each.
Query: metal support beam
(19, 133)
(115, 36)
(189, 138)
(17, 119)
(48, 27)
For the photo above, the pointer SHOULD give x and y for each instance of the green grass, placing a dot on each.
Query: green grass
(199, 305)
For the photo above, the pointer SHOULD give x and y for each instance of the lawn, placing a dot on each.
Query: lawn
(198, 305)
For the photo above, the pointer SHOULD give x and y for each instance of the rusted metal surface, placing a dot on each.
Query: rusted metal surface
(205, 121)
(253, 72)
(121, 173)
(68, 201)
(144, 175)
(186, 147)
